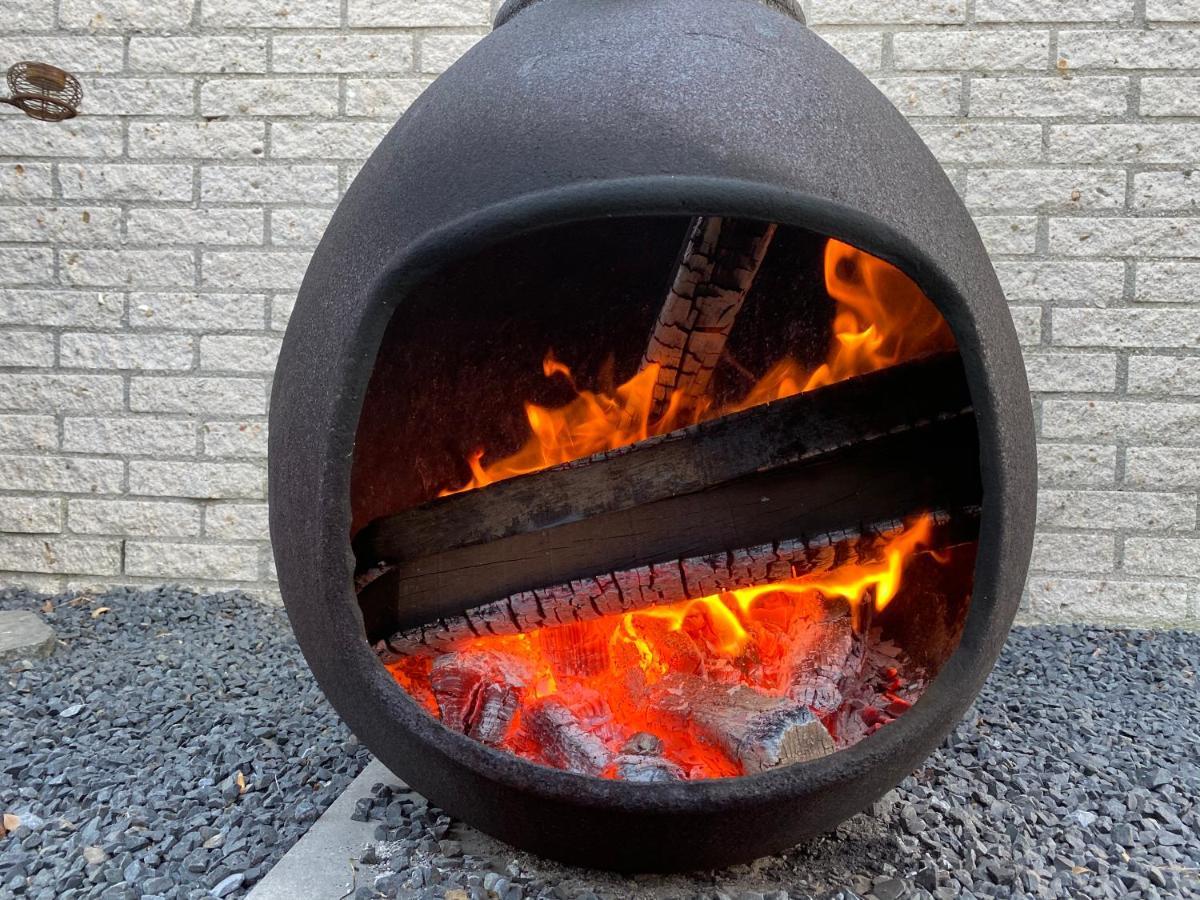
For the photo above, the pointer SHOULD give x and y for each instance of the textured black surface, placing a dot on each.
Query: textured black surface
(577, 110)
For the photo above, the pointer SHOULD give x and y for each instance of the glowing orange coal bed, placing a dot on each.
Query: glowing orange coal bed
(790, 640)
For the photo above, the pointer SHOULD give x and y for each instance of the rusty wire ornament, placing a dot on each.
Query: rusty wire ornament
(43, 91)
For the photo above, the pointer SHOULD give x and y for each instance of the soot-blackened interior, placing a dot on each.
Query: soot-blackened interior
(657, 629)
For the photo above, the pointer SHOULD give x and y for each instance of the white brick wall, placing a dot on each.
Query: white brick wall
(150, 252)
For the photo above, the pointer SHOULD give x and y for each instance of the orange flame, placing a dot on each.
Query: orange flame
(882, 318)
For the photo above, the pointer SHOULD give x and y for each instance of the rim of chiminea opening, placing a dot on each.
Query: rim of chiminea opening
(899, 747)
(510, 8)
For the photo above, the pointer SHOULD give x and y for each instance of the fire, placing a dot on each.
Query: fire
(882, 318)
(752, 637)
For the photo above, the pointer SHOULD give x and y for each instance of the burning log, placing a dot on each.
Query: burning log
(832, 656)
(562, 738)
(641, 760)
(662, 583)
(757, 730)
(478, 693)
(717, 267)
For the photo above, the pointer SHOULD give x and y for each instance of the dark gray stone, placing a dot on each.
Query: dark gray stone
(24, 635)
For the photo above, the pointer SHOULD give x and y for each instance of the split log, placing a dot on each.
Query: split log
(640, 551)
(716, 270)
(805, 427)
(586, 599)
(562, 739)
(756, 730)
(830, 656)
(478, 693)
(641, 761)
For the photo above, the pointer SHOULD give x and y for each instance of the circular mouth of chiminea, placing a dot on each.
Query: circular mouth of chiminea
(666, 498)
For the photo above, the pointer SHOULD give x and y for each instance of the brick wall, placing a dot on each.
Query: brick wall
(150, 251)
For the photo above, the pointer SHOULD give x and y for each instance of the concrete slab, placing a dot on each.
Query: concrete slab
(23, 635)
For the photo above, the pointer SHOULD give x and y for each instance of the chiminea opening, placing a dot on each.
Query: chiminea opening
(612, 608)
(683, 498)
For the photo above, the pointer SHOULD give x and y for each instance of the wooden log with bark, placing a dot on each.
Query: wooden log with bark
(716, 270)
(756, 730)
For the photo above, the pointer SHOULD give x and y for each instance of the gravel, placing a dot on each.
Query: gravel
(121, 753)
(1076, 774)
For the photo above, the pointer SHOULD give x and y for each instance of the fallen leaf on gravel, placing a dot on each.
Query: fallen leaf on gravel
(99, 611)
(11, 822)
(457, 895)
(241, 781)
(48, 606)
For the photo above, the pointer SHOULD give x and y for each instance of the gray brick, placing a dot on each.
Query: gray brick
(27, 265)
(346, 53)
(886, 12)
(124, 181)
(971, 50)
(141, 96)
(125, 351)
(1168, 282)
(1046, 190)
(236, 521)
(26, 349)
(1072, 372)
(1058, 11)
(923, 95)
(58, 393)
(225, 54)
(1163, 467)
(25, 432)
(239, 353)
(1093, 554)
(983, 143)
(1125, 237)
(124, 15)
(1165, 375)
(254, 270)
(1008, 234)
(1173, 10)
(87, 55)
(71, 309)
(24, 138)
(130, 436)
(1108, 49)
(31, 515)
(298, 227)
(27, 15)
(269, 97)
(1125, 143)
(1167, 190)
(1117, 509)
(418, 13)
(1049, 96)
(281, 311)
(439, 50)
(1118, 420)
(1077, 283)
(206, 225)
(59, 555)
(1163, 557)
(242, 14)
(1143, 603)
(25, 181)
(386, 98)
(197, 312)
(216, 139)
(91, 225)
(1127, 328)
(1077, 465)
(236, 396)
(202, 481)
(143, 518)
(72, 475)
(1170, 97)
(326, 140)
(129, 268)
(235, 440)
(269, 184)
(1028, 322)
(155, 559)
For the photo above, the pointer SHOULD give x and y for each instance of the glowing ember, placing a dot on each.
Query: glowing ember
(882, 319)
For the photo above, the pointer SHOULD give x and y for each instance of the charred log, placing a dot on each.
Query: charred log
(478, 693)
(564, 742)
(716, 270)
(757, 730)
(642, 761)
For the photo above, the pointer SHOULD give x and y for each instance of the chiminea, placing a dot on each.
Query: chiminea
(652, 467)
